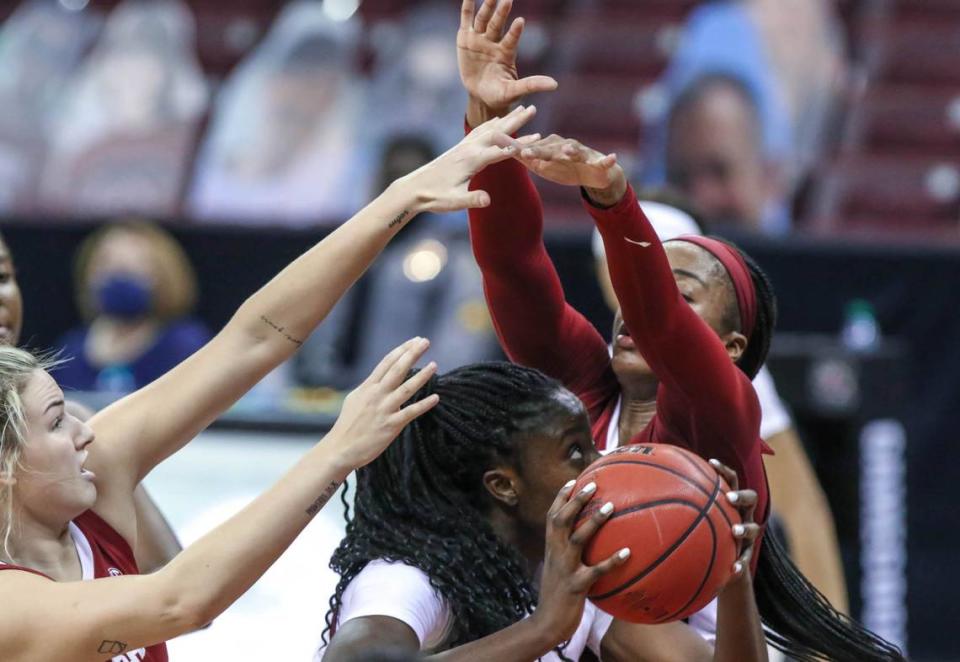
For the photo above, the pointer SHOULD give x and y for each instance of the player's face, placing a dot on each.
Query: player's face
(627, 362)
(11, 305)
(555, 454)
(52, 486)
(702, 281)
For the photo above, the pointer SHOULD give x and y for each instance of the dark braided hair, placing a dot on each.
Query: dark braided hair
(799, 619)
(422, 502)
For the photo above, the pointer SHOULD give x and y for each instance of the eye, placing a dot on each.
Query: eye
(5, 276)
(575, 452)
(58, 423)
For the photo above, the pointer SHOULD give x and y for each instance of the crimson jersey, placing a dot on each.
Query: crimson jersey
(704, 402)
(104, 553)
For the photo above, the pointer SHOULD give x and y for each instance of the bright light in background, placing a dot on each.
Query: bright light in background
(74, 5)
(425, 261)
(340, 10)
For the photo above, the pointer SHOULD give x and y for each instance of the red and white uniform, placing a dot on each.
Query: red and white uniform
(104, 553)
(704, 402)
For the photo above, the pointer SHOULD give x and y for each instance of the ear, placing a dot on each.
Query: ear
(735, 344)
(503, 485)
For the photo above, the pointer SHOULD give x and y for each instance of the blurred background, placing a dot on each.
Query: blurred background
(161, 159)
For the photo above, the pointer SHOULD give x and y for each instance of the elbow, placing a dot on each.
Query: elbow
(185, 608)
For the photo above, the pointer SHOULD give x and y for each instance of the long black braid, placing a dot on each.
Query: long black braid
(799, 619)
(422, 502)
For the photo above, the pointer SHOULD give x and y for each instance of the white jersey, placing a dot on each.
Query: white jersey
(404, 592)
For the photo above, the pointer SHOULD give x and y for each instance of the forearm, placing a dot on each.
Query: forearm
(521, 642)
(739, 630)
(280, 316)
(211, 574)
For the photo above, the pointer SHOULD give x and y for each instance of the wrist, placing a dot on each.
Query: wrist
(612, 194)
(403, 200)
(541, 633)
(335, 457)
(479, 112)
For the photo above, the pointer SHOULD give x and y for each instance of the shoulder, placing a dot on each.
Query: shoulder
(399, 591)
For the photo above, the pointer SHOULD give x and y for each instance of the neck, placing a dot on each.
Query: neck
(44, 547)
(112, 340)
(512, 533)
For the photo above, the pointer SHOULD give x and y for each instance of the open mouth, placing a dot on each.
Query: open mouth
(84, 472)
(623, 338)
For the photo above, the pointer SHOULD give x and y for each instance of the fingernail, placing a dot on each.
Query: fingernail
(624, 553)
(568, 485)
(607, 508)
(738, 529)
(737, 568)
(733, 497)
(589, 489)
(715, 462)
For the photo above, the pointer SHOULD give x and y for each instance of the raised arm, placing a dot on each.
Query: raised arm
(535, 324)
(696, 374)
(47, 620)
(139, 431)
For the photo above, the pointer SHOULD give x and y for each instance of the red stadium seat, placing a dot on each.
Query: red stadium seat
(909, 193)
(921, 52)
(911, 120)
(641, 50)
(597, 110)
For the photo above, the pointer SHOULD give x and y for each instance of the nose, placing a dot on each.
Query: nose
(85, 437)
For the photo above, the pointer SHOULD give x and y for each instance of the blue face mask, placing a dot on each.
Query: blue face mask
(124, 296)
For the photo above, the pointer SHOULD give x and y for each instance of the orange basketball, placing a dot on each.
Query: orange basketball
(670, 511)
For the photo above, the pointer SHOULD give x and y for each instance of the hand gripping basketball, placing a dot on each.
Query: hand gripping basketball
(671, 510)
(566, 578)
(747, 531)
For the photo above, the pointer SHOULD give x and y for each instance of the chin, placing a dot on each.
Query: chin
(629, 365)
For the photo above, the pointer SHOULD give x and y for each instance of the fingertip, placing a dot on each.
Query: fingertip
(738, 530)
(738, 568)
(568, 486)
(624, 554)
(482, 200)
(733, 497)
(715, 462)
(590, 488)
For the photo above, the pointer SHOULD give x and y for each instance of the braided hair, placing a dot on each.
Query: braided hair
(422, 502)
(798, 618)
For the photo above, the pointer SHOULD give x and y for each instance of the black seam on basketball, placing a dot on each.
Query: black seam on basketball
(651, 504)
(713, 557)
(670, 550)
(697, 486)
(699, 469)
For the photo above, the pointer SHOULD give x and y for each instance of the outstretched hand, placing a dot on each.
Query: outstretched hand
(568, 162)
(442, 185)
(373, 414)
(487, 57)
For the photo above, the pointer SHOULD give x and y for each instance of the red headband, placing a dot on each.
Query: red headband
(733, 262)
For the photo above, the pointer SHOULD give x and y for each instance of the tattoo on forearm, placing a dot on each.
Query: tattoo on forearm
(323, 498)
(279, 329)
(108, 647)
(398, 219)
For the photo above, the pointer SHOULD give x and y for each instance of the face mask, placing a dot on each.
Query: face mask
(124, 296)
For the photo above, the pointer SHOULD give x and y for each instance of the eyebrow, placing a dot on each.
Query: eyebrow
(690, 274)
(55, 403)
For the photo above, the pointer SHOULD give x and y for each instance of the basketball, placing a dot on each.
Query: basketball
(669, 510)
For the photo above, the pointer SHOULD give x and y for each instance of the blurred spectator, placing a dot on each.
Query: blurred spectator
(715, 156)
(134, 287)
(788, 55)
(416, 77)
(285, 143)
(41, 45)
(425, 283)
(125, 135)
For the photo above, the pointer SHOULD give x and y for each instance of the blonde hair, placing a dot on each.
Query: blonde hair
(16, 367)
(176, 290)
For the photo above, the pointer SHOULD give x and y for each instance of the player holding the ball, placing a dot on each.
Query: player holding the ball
(696, 322)
(466, 540)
